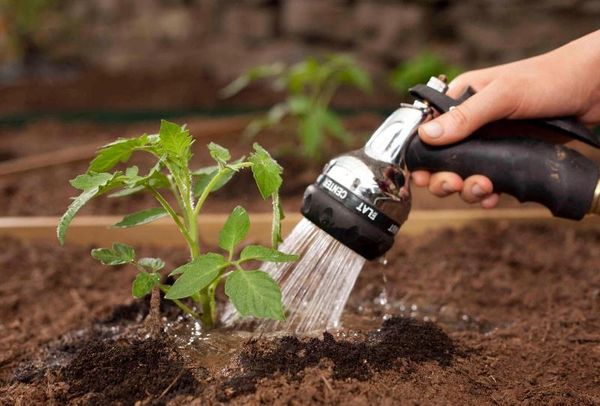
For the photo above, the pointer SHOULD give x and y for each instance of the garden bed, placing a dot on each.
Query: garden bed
(498, 313)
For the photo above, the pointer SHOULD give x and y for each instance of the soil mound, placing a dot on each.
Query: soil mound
(398, 343)
(106, 372)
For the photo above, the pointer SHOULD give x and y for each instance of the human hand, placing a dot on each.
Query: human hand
(563, 82)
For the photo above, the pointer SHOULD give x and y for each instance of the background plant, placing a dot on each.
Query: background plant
(23, 20)
(418, 70)
(252, 292)
(309, 87)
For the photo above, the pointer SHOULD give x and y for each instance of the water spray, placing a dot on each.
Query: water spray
(359, 202)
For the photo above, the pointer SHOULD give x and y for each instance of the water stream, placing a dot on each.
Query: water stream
(316, 288)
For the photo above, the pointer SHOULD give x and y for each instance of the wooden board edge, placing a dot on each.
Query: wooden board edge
(96, 230)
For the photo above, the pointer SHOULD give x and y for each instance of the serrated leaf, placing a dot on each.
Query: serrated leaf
(114, 181)
(255, 293)
(266, 171)
(204, 179)
(265, 254)
(74, 207)
(196, 275)
(142, 217)
(143, 284)
(119, 254)
(151, 264)
(175, 141)
(126, 192)
(210, 259)
(235, 229)
(118, 151)
(90, 180)
(219, 153)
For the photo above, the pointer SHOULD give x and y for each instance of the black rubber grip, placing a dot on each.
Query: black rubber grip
(531, 170)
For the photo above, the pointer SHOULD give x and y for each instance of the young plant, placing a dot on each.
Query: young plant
(252, 292)
(418, 70)
(310, 85)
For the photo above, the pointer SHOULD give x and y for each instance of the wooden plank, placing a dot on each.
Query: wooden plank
(87, 230)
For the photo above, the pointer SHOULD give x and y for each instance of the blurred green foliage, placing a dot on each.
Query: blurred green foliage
(419, 69)
(309, 87)
(23, 19)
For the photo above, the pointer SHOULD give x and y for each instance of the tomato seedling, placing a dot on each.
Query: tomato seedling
(252, 292)
(310, 85)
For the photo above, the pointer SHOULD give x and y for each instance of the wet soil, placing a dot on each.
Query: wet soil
(489, 315)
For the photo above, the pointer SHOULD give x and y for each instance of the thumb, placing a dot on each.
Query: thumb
(490, 104)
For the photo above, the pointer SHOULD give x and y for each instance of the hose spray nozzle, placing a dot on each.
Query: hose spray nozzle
(362, 198)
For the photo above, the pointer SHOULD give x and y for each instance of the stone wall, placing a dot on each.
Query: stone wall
(224, 37)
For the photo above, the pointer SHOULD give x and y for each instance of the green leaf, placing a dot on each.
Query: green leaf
(208, 260)
(311, 132)
(119, 254)
(151, 264)
(266, 171)
(118, 151)
(335, 127)
(196, 275)
(126, 192)
(219, 153)
(255, 293)
(235, 229)
(142, 217)
(90, 180)
(74, 207)
(204, 179)
(253, 74)
(175, 142)
(143, 284)
(105, 185)
(265, 254)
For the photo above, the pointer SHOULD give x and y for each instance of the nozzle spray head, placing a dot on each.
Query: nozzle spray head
(362, 198)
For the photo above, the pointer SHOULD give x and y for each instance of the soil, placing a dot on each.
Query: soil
(489, 315)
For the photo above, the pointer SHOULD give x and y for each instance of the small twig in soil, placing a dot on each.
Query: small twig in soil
(168, 388)
(326, 383)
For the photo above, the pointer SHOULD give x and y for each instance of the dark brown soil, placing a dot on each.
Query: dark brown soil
(397, 345)
(126, 372)
(518, 309)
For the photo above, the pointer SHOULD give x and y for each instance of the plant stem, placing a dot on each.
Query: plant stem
(174, 216)
(180, 304)
(153, 319)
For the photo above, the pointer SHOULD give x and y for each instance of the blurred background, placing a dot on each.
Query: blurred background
(79, 73)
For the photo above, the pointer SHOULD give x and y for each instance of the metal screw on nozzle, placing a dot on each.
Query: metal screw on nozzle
(438, 83)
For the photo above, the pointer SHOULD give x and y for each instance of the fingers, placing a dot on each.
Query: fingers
(476, 188)
(420, 178)
(491, 103)
(443, 184)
